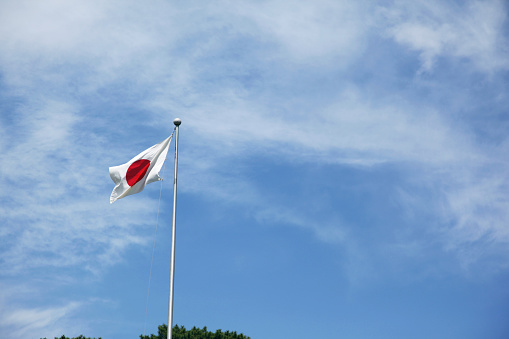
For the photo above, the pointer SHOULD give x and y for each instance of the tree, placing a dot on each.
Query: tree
(78, 337)
(180, 332)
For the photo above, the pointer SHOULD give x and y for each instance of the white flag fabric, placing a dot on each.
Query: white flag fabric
(131, 178)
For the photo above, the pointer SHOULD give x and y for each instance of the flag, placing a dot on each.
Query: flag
(131, 178)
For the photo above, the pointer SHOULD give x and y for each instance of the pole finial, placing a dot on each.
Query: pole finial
(177, 122)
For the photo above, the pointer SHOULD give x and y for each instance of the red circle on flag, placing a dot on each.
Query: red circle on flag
(137, 171)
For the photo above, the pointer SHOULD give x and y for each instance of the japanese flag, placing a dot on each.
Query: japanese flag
(131, 178)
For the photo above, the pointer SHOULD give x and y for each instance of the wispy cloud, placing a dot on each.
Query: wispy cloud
(472, 31)
(320, 83)
(26, 322)
(351, 129)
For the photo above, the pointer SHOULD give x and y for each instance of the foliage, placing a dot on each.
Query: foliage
(78, 337)
(180, 332)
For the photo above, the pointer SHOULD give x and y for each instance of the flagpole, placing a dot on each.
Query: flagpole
(177, 123)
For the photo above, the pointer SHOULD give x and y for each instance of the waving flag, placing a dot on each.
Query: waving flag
(131, 178)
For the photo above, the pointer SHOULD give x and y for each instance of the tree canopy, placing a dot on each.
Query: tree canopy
(78, 337)
(180, 332)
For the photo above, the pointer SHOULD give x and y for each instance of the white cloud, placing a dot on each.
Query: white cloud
(195, 60)
(44, 321)
(49, 177)
(473, 30)
(247, 79)
(321, 31)
(479, 207)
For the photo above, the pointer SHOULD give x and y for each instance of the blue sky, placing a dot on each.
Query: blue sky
(343, 167)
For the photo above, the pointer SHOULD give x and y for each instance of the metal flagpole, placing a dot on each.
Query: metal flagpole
(177, 123)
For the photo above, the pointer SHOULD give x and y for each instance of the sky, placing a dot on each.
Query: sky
(343, 167)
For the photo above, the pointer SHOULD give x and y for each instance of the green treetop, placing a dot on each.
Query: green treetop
(180, 332)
